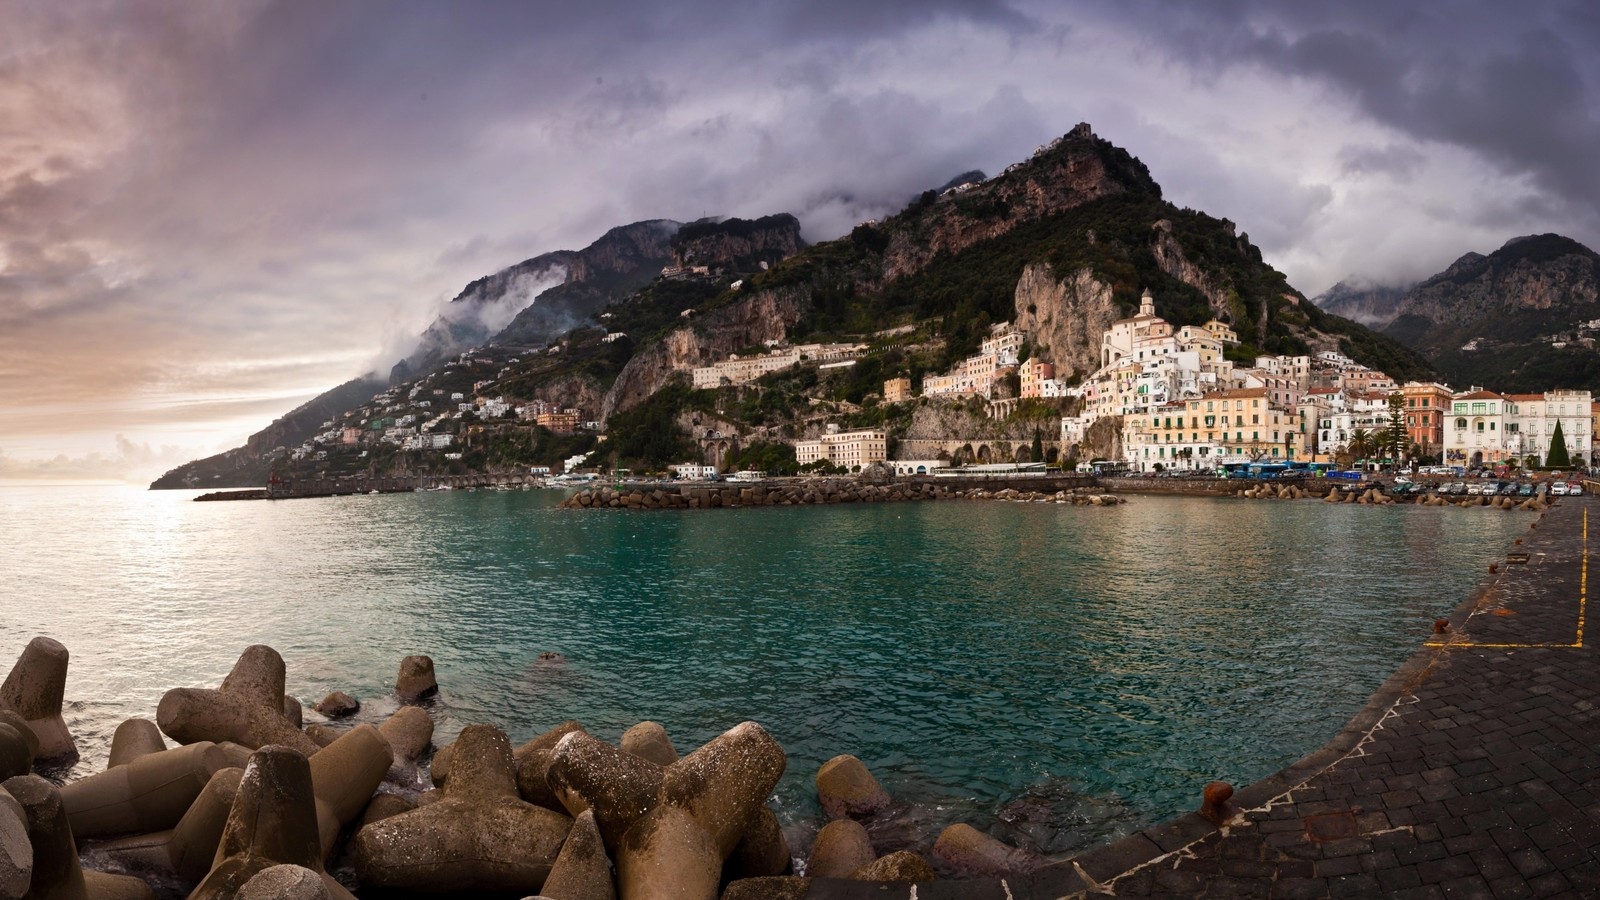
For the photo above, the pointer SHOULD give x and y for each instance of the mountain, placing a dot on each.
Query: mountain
(1062, 244)
(538, 299)
(1515, 320)
(1363, 300)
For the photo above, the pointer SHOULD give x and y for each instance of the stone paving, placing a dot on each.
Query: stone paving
(1473, 772)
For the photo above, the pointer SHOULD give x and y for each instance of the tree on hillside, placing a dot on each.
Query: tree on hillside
(1557, 457)
(1036, 452)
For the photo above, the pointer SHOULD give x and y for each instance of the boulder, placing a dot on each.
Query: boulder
(34, 691)
(150, 793)
(847, 790)
(676, 850)
(284, 882)
(247, 709)
(338, 705)
(273, 821)
(409, 733)
(970, 850)
(904, 866)
(415, 681)
(16, 853)
(841, 847)
(343, 778)
(132, 739)
(479, 837)
(582, 870)
(648, 740)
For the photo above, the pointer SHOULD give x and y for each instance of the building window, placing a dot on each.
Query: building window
(1461, 423)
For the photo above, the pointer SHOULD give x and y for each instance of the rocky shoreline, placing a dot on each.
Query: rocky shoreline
(253, 803)
(1374, 497)
(715, 496)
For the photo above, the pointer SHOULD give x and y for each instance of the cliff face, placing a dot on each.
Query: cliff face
(1546, 272)
(737, 245)
(1170, 257)
(1065, 319)
(749, 322)
(1360, 300)
(1077, 169)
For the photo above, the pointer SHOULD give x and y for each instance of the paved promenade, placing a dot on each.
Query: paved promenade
(1474, 772)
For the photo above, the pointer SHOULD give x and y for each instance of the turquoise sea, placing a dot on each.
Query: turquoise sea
(1056, 674)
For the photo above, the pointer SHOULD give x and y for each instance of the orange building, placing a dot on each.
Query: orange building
(1427, 403)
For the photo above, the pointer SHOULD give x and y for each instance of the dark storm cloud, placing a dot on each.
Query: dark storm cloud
(210, 208)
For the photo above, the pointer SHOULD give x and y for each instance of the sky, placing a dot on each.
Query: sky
(210, 212)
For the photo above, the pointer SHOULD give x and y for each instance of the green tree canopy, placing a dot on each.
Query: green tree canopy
(1557, 457)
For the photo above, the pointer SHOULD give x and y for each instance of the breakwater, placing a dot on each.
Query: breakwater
(386, 484)
(830, 491)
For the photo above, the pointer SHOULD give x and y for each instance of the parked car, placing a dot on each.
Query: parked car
(1456, 487)
(1559, 489)
(1575, 489)
(1525, 489)
(1508, 488)
(1474, 489)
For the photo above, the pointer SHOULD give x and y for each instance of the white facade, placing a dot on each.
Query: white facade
(849, 449)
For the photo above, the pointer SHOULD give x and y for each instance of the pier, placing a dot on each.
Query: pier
(388, 484)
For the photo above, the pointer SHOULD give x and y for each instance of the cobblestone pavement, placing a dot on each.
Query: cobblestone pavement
(1479, 778)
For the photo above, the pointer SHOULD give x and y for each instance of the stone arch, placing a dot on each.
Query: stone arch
(1023, 454)
(964, 455)
(1052, 455)
(985, 455)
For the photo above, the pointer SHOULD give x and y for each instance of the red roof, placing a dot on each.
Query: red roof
(1524, 397)
(1480, 395)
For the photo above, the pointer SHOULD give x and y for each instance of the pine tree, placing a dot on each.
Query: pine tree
(1036, 452)
(1395, 437)
(1557, 457)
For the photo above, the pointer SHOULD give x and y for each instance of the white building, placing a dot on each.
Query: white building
(693, 472)
(1531, 424)
(850, 449)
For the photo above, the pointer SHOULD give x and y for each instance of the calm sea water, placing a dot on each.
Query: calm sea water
(1077, 672)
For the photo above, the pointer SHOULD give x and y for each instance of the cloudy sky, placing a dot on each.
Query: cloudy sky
(210, 212)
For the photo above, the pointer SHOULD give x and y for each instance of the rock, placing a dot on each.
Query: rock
(707, 799)
(384, 806)
(34, 690)
(415, 681)
(15, 756)
(970, 850)
(57, 874)
(338, 705)
(785, 888)
(582, 871)
(904, 866)
(132, 739)
(323, 734)
(846, 789)
(293, 711)
(273, 821)
(479, 837)
(247, 709)
(533, 766)
(105, 886)
(762, 851)
(648, 740)
(16, 853)
(343, 778)
(150, 793)
(439, 769)
(284, 883)
(841, 847)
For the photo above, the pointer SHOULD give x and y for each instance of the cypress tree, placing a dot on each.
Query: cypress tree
(1557, 457)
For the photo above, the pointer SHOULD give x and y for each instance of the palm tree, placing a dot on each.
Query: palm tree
(1361, 443)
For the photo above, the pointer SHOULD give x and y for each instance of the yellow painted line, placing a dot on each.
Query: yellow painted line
(1583, 606)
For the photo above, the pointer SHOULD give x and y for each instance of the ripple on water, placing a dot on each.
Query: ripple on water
(1060, 675)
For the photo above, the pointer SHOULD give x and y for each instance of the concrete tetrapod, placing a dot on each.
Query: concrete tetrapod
(8, 717)
(762, 851)
(480, 836)
(648, 740)
(284, 882)
(247, 709)
(846, 789)
(16, 852)
(34, 690)
(841, 847)
(149, 794)
(16, 758)
(588, 773)
(57, 874)
(970, 850)
(273, 821)
(582, 871)
(415, 680)
(132, 739)
(187, 851)
(344, 776)
(677, 848)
